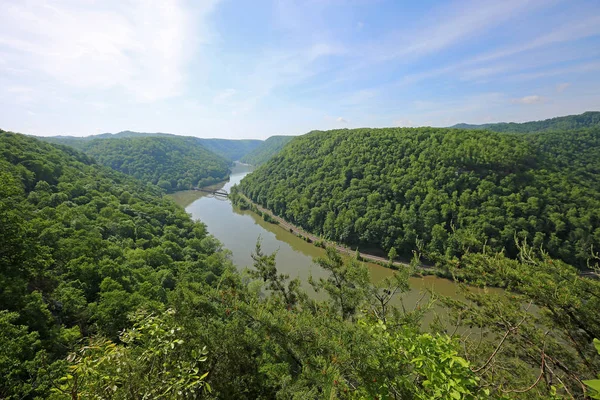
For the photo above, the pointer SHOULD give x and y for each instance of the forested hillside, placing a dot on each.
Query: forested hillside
(80, 142)
(109, 290)
(173, 163)
(82, 246)
(267, 150)
(586, 120)
(232, 150)
(454, 191)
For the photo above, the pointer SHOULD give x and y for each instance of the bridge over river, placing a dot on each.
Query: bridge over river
(217, 193)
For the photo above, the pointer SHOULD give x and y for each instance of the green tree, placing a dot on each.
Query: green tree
(392, 254)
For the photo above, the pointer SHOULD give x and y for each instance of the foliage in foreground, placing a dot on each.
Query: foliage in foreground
(541, 333)
(150, 362)
(81, 247)
(109, 290)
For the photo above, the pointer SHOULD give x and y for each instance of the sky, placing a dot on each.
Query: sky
(252, 69)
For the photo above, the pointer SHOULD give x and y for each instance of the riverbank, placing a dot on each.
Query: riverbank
(315, 240)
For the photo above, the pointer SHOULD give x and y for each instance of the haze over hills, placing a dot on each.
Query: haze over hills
(171, 162)
(267, 150)
(585, 120)
(231, 149)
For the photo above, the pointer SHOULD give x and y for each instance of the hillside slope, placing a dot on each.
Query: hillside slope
(108, 290)
(452, 190)
(232, 150)
(586, 120)
(83, 247)
(267, 150)
(173, 163)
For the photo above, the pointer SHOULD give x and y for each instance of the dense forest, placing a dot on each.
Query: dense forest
(233, 150)
(82, 247)
(110, 290)
(80, 142)
(569, 122)
(173, 163)
(453, 191)
(267, 150)
(230, 149)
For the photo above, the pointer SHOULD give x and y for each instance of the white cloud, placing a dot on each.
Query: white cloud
(403, 123)
(573, 69)
(141, 47)
(223, 96)
(561, 87)
(457, 27)
(533, 99)
(281, 68)
(341, 120)
(571, 31)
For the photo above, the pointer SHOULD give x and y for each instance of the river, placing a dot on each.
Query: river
(238, 230)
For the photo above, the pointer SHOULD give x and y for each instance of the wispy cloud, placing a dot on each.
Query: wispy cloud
(224, 95)
(561, 87)
(402, 122)
(583, 28)
(341, 120)
(533, 99)
(486, 64)
(572, 69)
(138, 46)
(457, 26)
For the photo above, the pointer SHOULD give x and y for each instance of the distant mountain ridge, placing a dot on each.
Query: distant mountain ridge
(267, 150)
(233, 150)
(230, 149)
(586, 120)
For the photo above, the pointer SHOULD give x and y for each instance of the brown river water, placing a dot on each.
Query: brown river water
(238, 230)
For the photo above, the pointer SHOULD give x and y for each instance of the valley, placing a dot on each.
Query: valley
(239, 229)
(109, 267)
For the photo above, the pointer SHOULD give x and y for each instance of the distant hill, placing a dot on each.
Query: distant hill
(586, 120)
(232, 150)
(79, 142)
(266, 150)
(169, 161)
(229, 149)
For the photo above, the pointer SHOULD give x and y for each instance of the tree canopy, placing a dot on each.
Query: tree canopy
(173, 163)
(230, 149)
(110, 290)
(453, 190)
(82, 247)
(586, 120)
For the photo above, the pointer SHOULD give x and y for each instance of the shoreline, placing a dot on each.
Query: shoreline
(342, 249)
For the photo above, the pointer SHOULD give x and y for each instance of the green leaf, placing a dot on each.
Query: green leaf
(593, 384)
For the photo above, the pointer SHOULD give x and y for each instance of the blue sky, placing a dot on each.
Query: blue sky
(252, 69)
